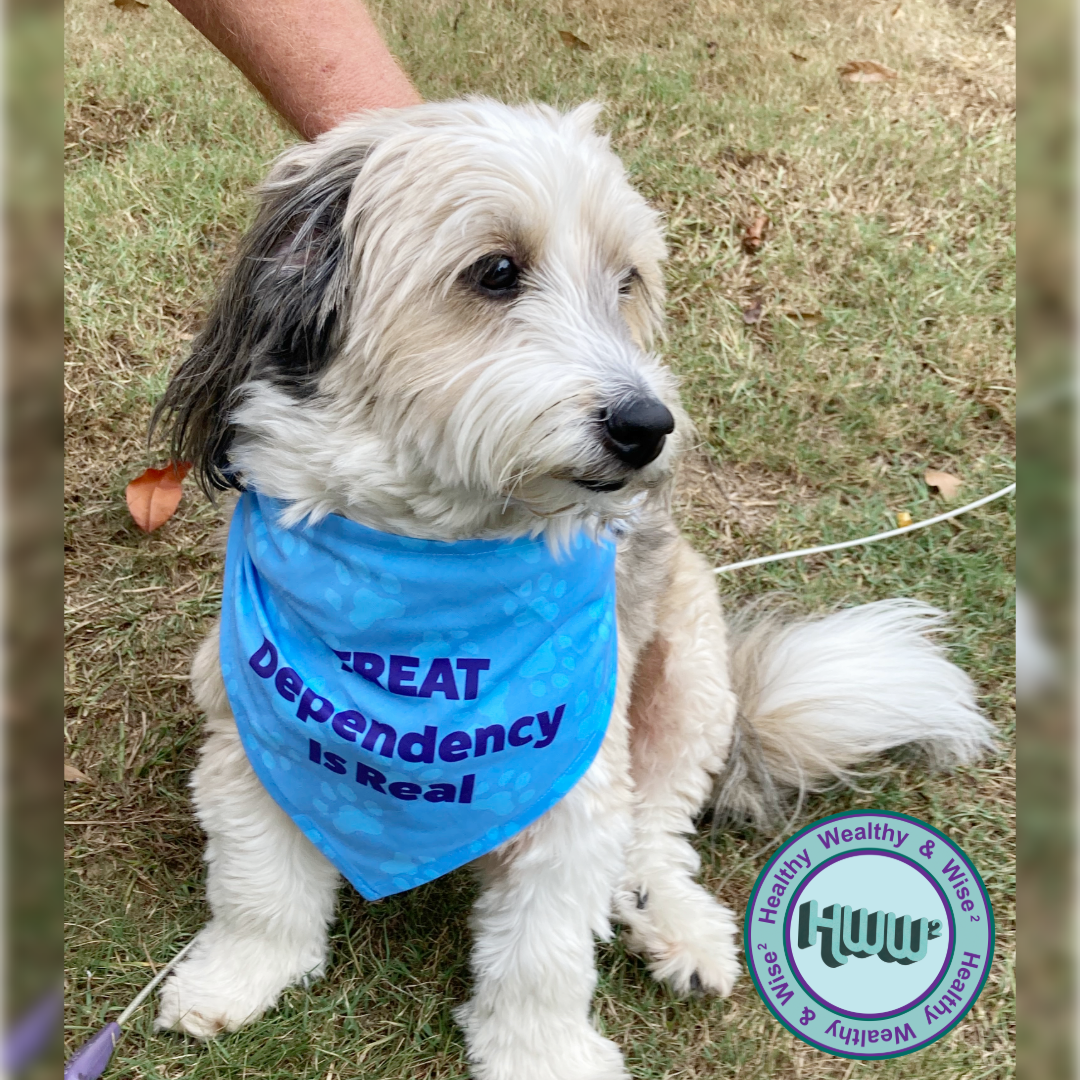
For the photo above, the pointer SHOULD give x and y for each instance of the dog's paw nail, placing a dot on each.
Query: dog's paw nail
(642, 899)
(695, 984)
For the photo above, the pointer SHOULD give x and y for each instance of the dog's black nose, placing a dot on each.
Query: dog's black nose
(636, 430)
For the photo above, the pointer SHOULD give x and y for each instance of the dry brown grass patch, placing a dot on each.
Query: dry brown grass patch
(99, 130)
(735, 501)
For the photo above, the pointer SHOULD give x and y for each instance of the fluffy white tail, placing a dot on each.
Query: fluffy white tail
(818, 697)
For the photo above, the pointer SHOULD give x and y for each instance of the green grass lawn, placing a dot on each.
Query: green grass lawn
(890, 218)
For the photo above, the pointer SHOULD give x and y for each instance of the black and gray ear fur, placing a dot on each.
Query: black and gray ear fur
(277, 317)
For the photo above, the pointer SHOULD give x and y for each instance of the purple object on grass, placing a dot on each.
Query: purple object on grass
(89, 1061)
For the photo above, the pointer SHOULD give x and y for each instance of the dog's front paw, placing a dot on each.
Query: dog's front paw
(228, 980)
(537, 1045)
(687, 935)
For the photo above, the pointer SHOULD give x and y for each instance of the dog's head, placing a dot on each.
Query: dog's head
(440, 323)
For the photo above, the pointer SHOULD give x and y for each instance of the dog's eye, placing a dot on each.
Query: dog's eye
(626, 284)
(496, 275)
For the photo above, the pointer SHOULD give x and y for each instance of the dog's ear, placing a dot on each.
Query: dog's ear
(277, 317)
(585, 115)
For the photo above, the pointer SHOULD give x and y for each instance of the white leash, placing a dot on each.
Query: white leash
(868, 539)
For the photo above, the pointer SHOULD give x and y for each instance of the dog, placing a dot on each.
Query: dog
(442, 326)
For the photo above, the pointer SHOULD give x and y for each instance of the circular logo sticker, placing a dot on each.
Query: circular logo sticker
(869, 934)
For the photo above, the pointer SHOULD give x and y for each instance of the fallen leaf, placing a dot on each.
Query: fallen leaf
(903, 519)
(896, 10)
(710, 48)
(754, 236)
(752, 314)
(805, 318)
(572, 41)
(153, 497)
(71, 773)
(800, 59)
(946, 483)
(865, 71)
(130, 5)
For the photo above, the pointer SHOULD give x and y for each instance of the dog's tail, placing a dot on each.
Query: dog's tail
(818, 697)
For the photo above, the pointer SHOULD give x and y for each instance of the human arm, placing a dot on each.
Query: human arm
(314, 63)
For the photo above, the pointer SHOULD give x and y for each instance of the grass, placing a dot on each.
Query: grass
(891, 214)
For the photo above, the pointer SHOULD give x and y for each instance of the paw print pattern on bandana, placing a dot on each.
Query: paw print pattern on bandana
(350, 819)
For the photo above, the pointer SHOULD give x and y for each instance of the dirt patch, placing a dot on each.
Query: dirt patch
(99, 130)
(734, 500)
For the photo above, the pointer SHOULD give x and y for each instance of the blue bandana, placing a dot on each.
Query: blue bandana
(412, 704)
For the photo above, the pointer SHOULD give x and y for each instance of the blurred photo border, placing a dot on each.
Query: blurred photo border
(1046, 350)
(32, 471)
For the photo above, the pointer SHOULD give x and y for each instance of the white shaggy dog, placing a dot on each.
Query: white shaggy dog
(440, 326)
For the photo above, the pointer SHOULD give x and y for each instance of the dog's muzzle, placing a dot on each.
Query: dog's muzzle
(633, 433)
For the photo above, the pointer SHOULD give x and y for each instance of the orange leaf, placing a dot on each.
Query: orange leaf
(865, 71)
(153, 497)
